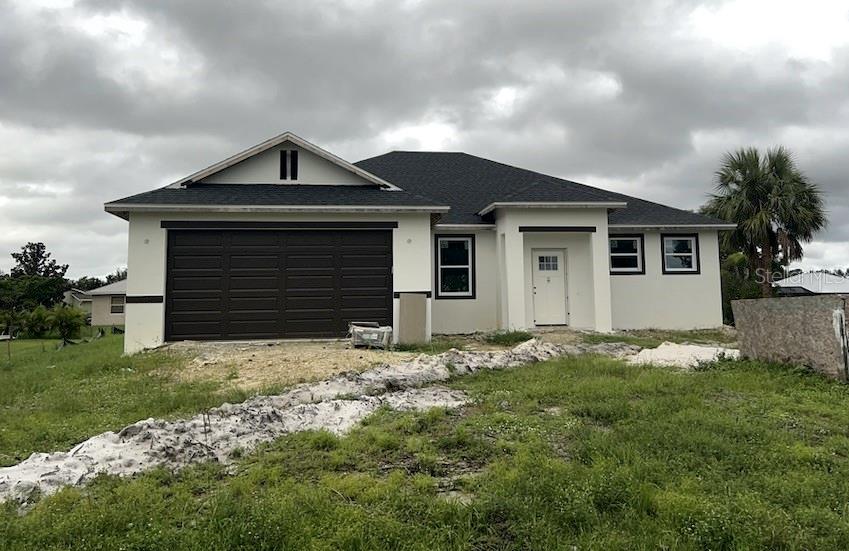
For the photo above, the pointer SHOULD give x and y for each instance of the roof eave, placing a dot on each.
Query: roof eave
(553, 205)
(123, 210)
(704, 226)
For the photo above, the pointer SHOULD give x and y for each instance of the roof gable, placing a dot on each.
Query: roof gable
(260, 164)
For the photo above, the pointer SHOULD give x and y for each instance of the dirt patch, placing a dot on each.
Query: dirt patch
(265, 365)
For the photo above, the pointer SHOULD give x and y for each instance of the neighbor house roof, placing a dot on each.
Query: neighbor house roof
(473, 186)
(816, 282)
(116, 288)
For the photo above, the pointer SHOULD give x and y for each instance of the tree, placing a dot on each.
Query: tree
(34, 260)
(87, 283)
(67, 321)
(776, 208)
(119, 275)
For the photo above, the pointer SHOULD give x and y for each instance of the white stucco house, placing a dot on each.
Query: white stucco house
(287, 240)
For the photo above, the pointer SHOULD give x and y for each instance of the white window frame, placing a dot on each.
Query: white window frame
(694, 253)
(640, 269)
(469, 266)
(112, 304)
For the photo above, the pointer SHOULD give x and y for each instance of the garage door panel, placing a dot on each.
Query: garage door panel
(241, 284)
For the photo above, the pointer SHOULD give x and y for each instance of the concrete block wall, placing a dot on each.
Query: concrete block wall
(809, 331)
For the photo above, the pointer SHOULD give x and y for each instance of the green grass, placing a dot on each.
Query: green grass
(583, 453)
(507, 338)
(51, 399)
(437, 345)
(652, 338)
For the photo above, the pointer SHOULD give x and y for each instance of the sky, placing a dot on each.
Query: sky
(100, 99)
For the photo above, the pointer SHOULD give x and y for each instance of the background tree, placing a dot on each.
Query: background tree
(87, 283)
(119, 275)
(776, 208)
(34, 260)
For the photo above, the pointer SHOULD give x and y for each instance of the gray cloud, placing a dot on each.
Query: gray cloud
(617, 94)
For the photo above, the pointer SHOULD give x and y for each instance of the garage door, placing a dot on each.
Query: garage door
(263, 284)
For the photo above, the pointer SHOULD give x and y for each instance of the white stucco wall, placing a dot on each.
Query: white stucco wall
(145, 323)
(264, 168)
(588, 275)
(669, 301)
(469, 315)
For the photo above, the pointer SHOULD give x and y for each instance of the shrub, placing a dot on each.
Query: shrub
(37, 322)
(67, 321)
(10, 322)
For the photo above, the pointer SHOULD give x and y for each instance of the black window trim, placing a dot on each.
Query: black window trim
(472, 266)
(696, 252)
(642, 240)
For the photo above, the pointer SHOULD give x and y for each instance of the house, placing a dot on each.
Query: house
(812, 283)
(77, 298)
(107, 304)
(287, 240)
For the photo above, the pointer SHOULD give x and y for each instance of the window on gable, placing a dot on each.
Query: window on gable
(626, 254)
(455, 273)
(680, 254)
(288, 164)
(116, 305)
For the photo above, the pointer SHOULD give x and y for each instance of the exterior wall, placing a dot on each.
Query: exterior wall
(669, 301)
(145, 322)
(101, 311)
(588, 277)
(264, 168)
(809, 331)
(467, 315)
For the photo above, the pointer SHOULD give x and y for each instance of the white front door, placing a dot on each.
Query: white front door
(549, 279)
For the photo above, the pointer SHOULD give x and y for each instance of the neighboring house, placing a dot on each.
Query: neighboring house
(107, 304)
(78, 299)
(812, 283)
(286, 240)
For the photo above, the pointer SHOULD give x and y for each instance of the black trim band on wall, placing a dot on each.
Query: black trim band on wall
(642, 239)
(145, 299)
(542, 229)
(397, 294)
(231, 225)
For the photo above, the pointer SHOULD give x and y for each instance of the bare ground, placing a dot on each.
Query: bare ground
(270, 365)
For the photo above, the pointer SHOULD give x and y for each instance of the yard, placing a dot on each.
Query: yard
(575, 453)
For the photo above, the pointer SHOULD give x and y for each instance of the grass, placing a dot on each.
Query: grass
(652, 338)
(437, 345)
(51, 399)
(507, 338)
(583, 453)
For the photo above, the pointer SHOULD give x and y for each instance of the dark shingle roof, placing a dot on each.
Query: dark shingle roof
(464, 182)
(275, 194)
(468, 184)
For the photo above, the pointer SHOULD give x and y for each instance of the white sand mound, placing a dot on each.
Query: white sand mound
(682, 355)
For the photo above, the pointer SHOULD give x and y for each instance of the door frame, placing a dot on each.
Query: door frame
(534, 252)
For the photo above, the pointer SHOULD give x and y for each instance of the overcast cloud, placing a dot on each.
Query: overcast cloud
(100, 99)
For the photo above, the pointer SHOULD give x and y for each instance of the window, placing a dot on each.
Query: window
(626, 254)
(548, 264)
(288, 164)
(455, 270)
(116, 305)
(680, 254)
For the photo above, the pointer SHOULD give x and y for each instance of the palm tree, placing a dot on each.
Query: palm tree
(776, 208)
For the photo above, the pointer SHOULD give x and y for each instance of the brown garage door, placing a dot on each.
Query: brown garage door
(262, 284)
